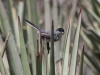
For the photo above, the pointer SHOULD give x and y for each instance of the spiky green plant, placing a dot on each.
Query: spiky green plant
(27, 53)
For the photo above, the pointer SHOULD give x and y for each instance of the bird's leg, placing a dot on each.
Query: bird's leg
(48, 48)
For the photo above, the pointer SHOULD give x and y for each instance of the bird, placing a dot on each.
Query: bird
(46, 34)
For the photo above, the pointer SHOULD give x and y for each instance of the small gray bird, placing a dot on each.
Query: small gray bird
(47, 34)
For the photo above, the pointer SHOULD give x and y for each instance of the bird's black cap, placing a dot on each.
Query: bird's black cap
(60, 29)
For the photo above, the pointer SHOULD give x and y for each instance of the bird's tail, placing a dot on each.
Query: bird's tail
(33, 25)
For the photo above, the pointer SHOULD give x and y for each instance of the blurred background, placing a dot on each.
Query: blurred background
(41, 13)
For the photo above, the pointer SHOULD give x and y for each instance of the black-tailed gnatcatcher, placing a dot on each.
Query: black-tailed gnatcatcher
(47, 34)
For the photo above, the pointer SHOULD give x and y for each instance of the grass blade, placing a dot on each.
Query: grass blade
(32, 16)
(10, 13)
(91, 63)
(81, 62)
(5, 43)
(23, 51)
(47, 14)
(74, 53)
(2, 68)
(15, 59)
(65, 64)
(52, 61)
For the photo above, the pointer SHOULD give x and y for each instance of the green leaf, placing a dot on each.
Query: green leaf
(12, 49)
(75, 48)
(81, 62)
(23, 51)
(52, 61)
(32, 16)
(66, 56)
(2, 68)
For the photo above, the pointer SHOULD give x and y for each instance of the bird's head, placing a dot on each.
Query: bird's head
(60, 30)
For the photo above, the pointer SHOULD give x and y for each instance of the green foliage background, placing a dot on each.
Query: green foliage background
(25, 55)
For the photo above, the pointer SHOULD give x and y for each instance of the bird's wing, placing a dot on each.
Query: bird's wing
(33, 25)
(45, 34)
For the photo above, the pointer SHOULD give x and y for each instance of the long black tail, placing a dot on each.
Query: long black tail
(33, 25)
